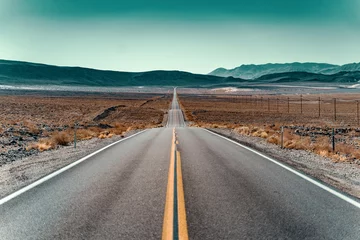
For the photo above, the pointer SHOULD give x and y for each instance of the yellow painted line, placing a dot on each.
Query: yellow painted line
(175, 186)
(167, 232)
(183, 231)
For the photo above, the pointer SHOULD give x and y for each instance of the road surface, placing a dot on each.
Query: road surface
(218, 190)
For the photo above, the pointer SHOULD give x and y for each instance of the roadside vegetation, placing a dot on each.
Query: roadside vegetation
(305, 130)
(30, 124)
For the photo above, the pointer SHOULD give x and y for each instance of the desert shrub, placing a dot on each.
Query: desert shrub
(322, 145)
(356, 154)
(43, 145)
(264, 135)
(105, 134)
(243, 130)
(85, 134)
(344, 148)
(259, 132)
(339, 158)
(61, 138)
(298, 143)
(274, 139)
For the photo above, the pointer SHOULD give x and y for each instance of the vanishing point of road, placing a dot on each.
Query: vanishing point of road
(178, 182)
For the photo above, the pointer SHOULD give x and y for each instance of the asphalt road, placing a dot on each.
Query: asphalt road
(230, 193)
(175, 115)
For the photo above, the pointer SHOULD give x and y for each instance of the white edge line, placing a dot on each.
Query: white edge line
(61, 170)
(326, 188)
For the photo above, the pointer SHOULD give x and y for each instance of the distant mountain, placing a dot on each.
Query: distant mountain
(24, 73)
(255, 71)
(305, 77)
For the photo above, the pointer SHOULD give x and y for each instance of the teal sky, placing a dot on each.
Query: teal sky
(196, 36)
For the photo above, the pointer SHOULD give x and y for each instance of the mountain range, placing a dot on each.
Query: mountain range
(25, 73)
(253, 71)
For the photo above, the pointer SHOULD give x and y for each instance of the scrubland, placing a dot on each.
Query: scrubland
(44, 122)
(308, 121)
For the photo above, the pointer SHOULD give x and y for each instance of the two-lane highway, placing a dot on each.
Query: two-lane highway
(175, 115)
(140, 189)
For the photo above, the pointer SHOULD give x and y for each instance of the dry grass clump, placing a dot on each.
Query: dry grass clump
(259, 132)
(243, 130)
(322, 146)
(85, 134)
(339, 158)
(43, 145)
(298, 143)
(274, 139)
(61, 138)
(207, 125)
(58, 138)
(65, 137)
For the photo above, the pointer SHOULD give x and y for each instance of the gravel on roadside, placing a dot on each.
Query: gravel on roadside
(344, 176)
(17, 174)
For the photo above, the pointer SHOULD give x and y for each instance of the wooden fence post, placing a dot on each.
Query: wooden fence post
(333, 140)
(282, 136)
(335, 109)
(319, 107)
(288, 104)
(357, 111)
(301, 107)
(268, 104)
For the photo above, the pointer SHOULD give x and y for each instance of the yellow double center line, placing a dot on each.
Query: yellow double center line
(174, 226)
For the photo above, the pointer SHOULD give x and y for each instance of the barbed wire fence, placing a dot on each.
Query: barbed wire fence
(336, 111)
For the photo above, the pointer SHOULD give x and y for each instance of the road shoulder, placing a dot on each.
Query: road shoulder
(343, 176)
(21, 173)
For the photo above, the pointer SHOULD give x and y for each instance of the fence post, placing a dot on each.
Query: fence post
(277, 104)
(333, 139)
(268, 104)
(288, 104)
(75, 126)
(301, 107)
(261, 103)
(282, 136)
(335, 109)
(357, 111)
(319, 107)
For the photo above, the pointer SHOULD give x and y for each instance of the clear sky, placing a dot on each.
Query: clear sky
(190, 35)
